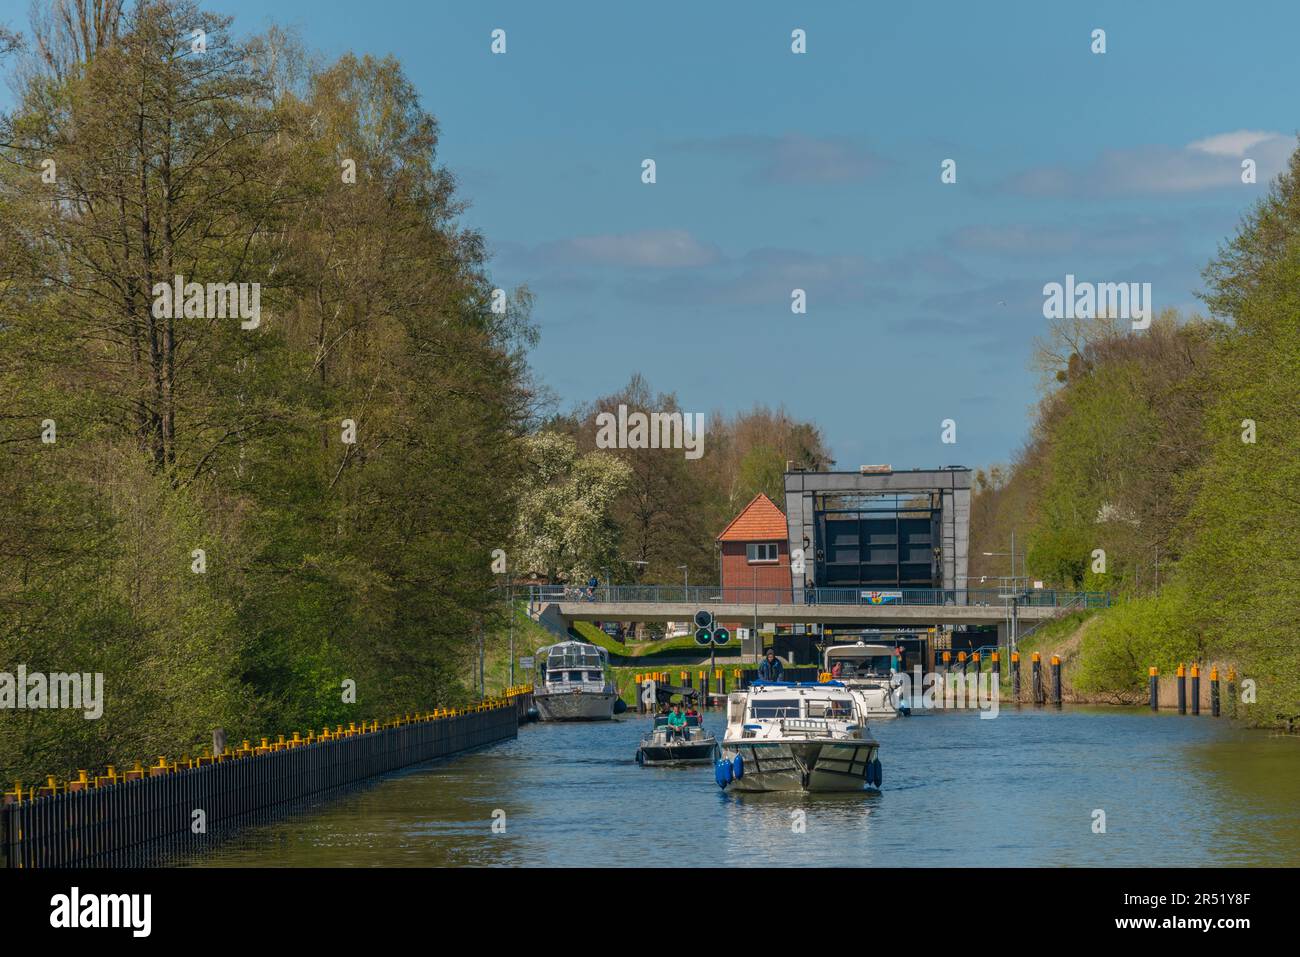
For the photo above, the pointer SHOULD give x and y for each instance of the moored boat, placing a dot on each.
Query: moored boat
(788, 736)
(868, 672)
(572, 683)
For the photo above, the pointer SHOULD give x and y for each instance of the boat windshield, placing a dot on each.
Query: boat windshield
(876, 665)
(565, 660)
(774, 708)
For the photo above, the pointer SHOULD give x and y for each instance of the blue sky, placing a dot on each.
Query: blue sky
(821, 171)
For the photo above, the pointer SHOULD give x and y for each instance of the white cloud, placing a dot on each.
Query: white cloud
(647, 249)
(1233, 144)
(1209, 163)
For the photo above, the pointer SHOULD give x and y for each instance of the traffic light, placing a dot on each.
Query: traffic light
(721, 636)
(703, 636)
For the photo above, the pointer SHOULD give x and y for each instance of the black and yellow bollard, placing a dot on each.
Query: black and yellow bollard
(704, 689)
(1181, 683)
(995, 666)
(722, 682)
(1056, 681)
(1036, 677)
(1153, 682)
(1232, 692)
(1015, 675)
(947, 663)
(1196, 689)
(687, 679)
(1214, 691)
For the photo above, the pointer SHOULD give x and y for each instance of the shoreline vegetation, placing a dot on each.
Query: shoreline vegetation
(1162, 466)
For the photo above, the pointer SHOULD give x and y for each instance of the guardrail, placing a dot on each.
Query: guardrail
(180, 807)
(704, 595)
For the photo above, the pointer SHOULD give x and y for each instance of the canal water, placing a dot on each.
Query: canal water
(1022, 789)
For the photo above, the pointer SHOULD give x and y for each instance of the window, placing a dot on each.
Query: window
(775, 709)
(761, 551)
(575, 675)
(593, 675)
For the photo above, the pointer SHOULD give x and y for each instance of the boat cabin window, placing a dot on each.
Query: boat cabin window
(575, 675)
(833, 708)
(775, 708)
(593, 675)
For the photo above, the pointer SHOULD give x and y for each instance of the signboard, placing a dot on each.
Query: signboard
(742, 634)
(883, 597)
(526, 663)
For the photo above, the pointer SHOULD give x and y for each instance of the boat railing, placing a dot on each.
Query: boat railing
(805, 725)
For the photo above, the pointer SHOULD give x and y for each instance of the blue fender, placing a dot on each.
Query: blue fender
(738, 767)
(722, 773)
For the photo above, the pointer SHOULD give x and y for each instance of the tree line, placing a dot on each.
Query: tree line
(235, 521)
(1163, 465)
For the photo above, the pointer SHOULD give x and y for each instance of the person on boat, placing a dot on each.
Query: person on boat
(771, 669)
(677, 723)
(837, 669)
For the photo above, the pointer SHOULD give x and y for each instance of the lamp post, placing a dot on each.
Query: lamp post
(640, 567)
(686, 582)
(510, 619)
(1013, 619)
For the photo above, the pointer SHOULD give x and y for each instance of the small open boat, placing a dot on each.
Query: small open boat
(662, 746)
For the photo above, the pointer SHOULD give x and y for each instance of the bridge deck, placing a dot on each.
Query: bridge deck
(804, 614)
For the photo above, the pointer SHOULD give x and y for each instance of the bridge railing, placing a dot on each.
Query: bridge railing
(705, 595)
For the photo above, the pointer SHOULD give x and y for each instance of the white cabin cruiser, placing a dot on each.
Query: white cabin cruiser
(868, 671)
(572, 685)
(789, 736)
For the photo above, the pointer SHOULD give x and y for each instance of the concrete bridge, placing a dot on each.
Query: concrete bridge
(558, 607)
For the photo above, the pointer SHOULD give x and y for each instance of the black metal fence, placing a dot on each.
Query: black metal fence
(171, 812)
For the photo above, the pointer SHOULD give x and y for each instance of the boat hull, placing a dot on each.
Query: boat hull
(567, 706)
(695, 751)
(813, 766)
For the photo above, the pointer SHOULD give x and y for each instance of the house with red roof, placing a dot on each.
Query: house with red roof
(756, 554)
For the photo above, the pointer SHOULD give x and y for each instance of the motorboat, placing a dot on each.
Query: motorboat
(572, 683)
(662, 746)
(870, 673)
(797, 736)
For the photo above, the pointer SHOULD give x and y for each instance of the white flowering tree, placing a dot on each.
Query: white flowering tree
(566, 527)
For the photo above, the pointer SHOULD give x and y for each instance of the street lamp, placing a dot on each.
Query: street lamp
(1013, 617)
(686, 582)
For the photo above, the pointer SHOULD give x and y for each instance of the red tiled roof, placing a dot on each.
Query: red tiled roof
(759, 521)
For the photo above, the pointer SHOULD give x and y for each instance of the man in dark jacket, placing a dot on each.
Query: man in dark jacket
(770, 669)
